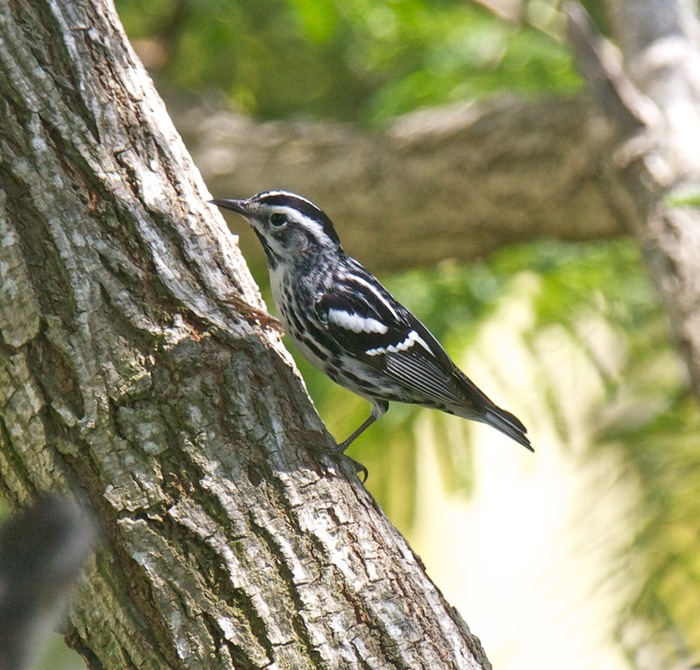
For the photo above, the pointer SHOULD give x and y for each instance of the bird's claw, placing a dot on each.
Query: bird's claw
(360, 470)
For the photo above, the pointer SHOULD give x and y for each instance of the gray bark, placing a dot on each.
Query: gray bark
(127, 375)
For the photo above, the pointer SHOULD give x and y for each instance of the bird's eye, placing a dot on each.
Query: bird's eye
(277, 220)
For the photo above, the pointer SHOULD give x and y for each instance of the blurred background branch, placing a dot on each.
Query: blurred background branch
(468, 177)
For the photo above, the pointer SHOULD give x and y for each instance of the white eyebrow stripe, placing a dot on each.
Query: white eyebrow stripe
(315, 228)
(355, 322)
(294, 215)
(410, 340)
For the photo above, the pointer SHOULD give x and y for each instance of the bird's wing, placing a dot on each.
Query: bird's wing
(360, 318)
(363, 320)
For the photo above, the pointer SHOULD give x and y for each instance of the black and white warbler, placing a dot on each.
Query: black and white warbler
(349, 326)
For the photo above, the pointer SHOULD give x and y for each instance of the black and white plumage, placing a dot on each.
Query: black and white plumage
(349, 326)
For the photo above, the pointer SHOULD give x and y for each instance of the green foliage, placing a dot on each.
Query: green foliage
(690, 199)
(651, 418)
(345, 59)
(657, 434)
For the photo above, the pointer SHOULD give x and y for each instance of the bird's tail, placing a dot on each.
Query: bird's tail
(508, 424)
(479, 407)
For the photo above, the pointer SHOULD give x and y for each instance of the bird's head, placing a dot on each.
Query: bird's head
(290, 227)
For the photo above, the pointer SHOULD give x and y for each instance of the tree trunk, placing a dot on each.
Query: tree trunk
(653, 104)
(661, 48)
(127, 376)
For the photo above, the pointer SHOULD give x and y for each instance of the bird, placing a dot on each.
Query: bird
(348, 325)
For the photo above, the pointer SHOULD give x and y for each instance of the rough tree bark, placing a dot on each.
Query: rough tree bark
(127, 376)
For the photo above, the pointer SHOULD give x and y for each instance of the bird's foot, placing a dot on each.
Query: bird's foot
(336, 452)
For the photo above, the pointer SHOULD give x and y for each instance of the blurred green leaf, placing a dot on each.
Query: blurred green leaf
(689, 199)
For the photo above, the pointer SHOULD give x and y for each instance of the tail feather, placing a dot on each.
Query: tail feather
(479, 407)
(508, 424)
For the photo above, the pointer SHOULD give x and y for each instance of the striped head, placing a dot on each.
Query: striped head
(291, 228)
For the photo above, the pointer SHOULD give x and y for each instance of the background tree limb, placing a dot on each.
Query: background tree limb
(469, 178)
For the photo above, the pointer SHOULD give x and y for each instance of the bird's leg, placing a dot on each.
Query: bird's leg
(346, 443)
(378, 409)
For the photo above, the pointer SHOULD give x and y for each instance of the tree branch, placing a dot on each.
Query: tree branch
(449, 182)
(42, 551)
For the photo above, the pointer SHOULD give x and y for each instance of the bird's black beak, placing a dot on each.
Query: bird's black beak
(240, 206)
